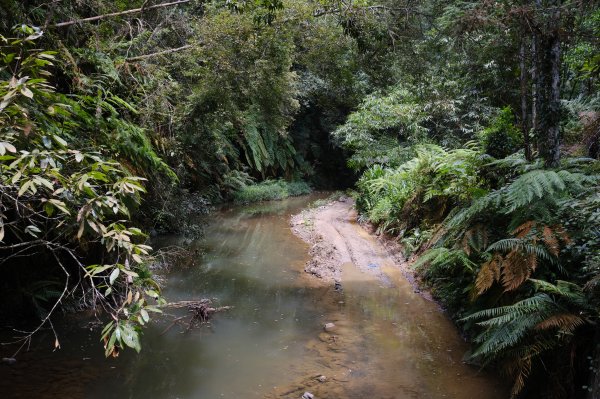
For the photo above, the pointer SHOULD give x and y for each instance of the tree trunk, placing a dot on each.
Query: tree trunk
(523, 81)
(552, 157)
(594, 386)
(548, 88)
(535, 103)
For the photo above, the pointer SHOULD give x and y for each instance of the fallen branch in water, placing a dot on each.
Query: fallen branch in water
(201, 311)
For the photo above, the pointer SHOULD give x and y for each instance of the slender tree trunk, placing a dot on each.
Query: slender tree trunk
(524, 113)
(552, 157)
(594, 387)
(548, 85)
(535, 95)
(543, 97)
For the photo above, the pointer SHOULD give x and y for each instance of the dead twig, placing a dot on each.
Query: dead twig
(201, 310)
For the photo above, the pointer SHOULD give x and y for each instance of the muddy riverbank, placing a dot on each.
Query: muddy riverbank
(336, 239)
(413, 361)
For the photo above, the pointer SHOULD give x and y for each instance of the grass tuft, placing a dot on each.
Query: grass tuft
(270, 190)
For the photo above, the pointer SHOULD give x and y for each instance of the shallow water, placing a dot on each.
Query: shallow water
(388, 343)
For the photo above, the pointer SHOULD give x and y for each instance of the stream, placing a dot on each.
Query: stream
(388, 341)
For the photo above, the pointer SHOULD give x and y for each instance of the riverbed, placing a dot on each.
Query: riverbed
(388, 341)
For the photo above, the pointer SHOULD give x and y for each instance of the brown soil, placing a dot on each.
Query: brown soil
(379, 308)
(337, 241)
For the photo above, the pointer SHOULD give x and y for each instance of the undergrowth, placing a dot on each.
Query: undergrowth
(270, 190)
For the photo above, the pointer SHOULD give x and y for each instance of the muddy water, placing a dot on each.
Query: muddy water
(388, 341)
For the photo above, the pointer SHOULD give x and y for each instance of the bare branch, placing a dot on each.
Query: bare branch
(46, 319)
(143, 57)
(116, 14)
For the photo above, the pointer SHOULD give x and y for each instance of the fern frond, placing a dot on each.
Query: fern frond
(488, 274)
(550, 241)
(487, 203)
(506, 332)
(517, 361)
(527, 305)
(521, 370)
(538, 184)
(566, 291)
(522, 245)
(565, 322)
(523, 230)
(444, 258)
(516, 269)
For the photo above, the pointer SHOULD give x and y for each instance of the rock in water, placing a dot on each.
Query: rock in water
(9, 360)
(329, 327)
(308, 395)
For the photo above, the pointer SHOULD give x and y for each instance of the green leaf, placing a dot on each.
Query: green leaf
(113, 276)
(60, 205)
(5, 146)
(32, 230)
(24, 188)
(59, 140)
(152, 294)
(131, 337)
(107, 328)
(145, 315)
(16, 177)
(97, 269)
(9, 57)
(111, 342)
(49, 209)
(44, 182)
(130, 273)
(26, 92)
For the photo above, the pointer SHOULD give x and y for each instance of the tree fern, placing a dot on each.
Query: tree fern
(527, 189)
(506, 326)
(539, 184)
(523, 246)
(443, 258)
(512, 333)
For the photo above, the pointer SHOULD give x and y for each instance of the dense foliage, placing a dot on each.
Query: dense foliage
(61, 200)
(471, 127)
(502, 228)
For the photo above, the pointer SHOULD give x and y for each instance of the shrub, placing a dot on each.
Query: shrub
(423, 189)
(502, 138)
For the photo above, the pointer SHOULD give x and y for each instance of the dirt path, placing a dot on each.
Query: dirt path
(376, 309)
(340, 245)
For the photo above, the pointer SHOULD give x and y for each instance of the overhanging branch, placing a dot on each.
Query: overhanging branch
(116, 14)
